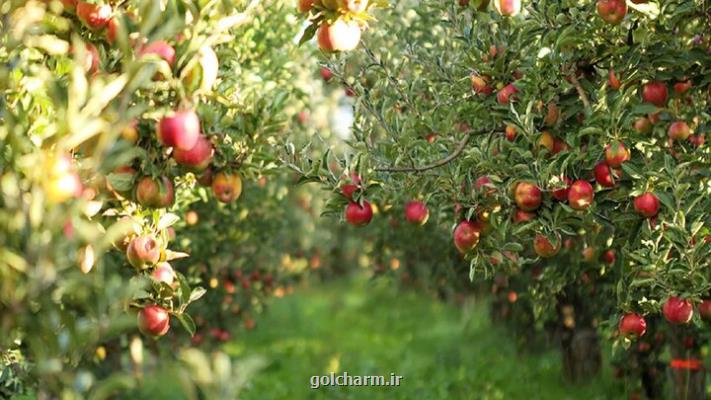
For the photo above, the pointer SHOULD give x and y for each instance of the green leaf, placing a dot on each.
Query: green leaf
(643, 109)
(187, 321)
(121, 182)
(184, 288)
(167, 220)
(309, 32)
(631, 170)
(666, 200)
(196, 294)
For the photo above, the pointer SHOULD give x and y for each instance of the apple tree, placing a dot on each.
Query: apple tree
(560, 143)
(127, 128)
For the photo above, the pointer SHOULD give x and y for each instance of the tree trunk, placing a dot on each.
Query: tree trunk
(687, 371)
(579, 341)
(652, 381)
(581, 354)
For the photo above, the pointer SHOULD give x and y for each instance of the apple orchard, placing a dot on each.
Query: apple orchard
(156, 155)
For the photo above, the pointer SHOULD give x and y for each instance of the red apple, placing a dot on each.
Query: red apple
(416, 212)
(359, 215)
(94, 16)
(632, 326)
(161, 49)
(655, 92)
(612, 80)
(153, 320)
(616, 154)
(642, 125)
(227, 187)
(559, 145)
(205, 179)
(180, 129)
(523, 216)
(143, 251)
(112, 29)
(510, 133)
(69, 5)
(528, 196)
(561, 194)
(197, 158)
(164, 273)
(543, 246)
(480, 84)
(705, 309)
(679, 130)
(349, 189)
(588, 254)
(677, 311)
(609, 257)
(303, 117)
(682, 87)
(155, 193)
(326, 74)
(507, 8)
(647, 205)
(604, 175)
(548, 141)
(507, 94)
(466, 236)
(612, 11)
(697, 140)
(580, 195)
(91, 62)
(305, 5)
(340, 36)
(197, 339)
(552, 115)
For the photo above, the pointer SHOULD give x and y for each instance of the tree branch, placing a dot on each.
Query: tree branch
(583, 96)
(451, 157)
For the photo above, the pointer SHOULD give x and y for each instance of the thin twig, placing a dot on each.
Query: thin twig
(451, 157)
(583, 96)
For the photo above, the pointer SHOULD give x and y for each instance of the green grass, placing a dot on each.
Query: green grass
(368, 328)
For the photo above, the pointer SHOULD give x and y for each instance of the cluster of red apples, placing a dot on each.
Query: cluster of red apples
(178, 131)
(676, 310)
(360, 213)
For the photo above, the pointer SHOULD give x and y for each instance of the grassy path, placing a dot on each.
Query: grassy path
(366, 328)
